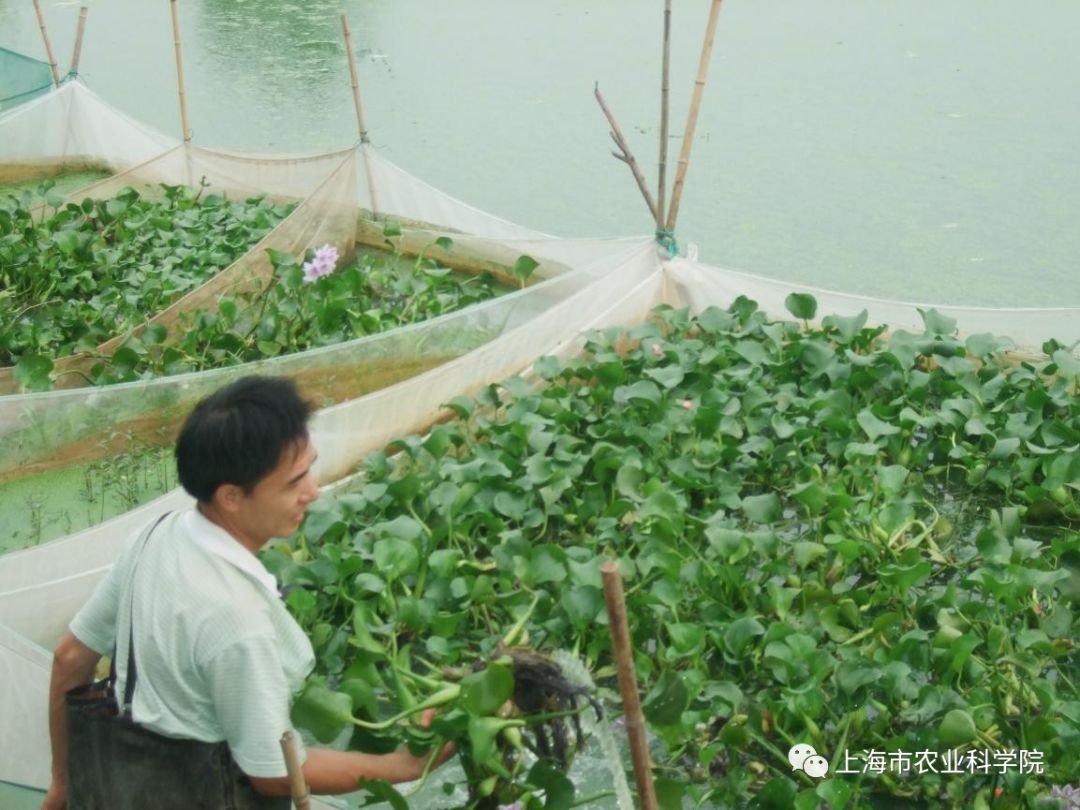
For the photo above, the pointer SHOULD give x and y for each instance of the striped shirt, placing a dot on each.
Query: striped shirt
(218, 656)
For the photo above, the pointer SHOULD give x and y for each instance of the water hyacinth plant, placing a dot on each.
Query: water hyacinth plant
(83, 272)
(302, 306)
(857, 541)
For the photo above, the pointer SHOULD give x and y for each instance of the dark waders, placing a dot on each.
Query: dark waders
(116, 764)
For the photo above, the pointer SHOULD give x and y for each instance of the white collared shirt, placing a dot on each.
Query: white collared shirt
(218, 655)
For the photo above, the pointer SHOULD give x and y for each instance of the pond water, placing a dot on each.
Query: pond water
(897, 149)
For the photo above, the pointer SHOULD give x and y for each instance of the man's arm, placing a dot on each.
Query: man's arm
(333, 772)
(252, 700)
(73, 665)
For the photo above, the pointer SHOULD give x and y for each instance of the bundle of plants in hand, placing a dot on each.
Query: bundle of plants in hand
(860, 541)
(80, 273)
(303, 305)
(512, 715)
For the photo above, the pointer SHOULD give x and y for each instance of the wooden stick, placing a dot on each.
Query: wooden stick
(691, 121)
(358, 103)
(180, 74)
(624, 661)
(665, 73)
(78, 40)
(301, 796)
(48, 45)
(625, 155)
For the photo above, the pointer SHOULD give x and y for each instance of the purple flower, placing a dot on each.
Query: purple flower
(323, 264)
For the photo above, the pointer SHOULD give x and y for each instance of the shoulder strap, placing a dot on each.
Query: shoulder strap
(132, 674)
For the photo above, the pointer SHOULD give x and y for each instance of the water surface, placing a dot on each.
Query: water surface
(896, 148)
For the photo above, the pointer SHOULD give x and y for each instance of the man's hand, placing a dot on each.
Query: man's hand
(56, 798)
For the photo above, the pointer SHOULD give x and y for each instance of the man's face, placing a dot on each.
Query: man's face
(277, 503)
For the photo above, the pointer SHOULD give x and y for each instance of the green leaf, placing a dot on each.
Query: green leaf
(936, 323)
(485, 691)
(523, 268)
(855, 673)
(801, 305)
(806, 552)
(836, 792)
(557, 787)
(957, 728)
(362, 695)
(686, 637)
(762, 508)
(739, 632)
(778, 793)
(849, 328)
(583, 604)
(482, 736)
(546, 564)
(443, 562)
(874, 427)
(321, 711)
(381, 791)
(669, 793)
(642, 390)
(667, 376)
(395, 558)
(32, 372)
(462, 406)
(667, 700)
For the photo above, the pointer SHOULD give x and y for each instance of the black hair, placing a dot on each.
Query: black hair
(237, 434)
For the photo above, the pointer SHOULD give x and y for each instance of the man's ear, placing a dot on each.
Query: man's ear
(228, 497)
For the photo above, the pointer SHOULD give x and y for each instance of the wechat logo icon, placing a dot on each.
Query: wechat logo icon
(804, 758)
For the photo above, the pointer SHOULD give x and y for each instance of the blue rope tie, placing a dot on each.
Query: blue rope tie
(666, 240)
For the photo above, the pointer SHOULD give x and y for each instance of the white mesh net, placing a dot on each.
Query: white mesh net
(385, 385)
(71, 129)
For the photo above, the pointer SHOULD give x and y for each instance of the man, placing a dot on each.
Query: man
(217, 655)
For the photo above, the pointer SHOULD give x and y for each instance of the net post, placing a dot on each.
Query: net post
(184, 126)
(691, 121)
(624, 662)
(77, 53)
(301, 796)
(665, 74)
(354, 74)
(48, 45)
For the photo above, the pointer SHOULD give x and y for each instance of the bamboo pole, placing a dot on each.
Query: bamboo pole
(624, 661)
(625, 155)
(180, 74)
(78, 40)
(665, 73)
(301, 796)
(48, 45)
(691, 121)
(358, 103)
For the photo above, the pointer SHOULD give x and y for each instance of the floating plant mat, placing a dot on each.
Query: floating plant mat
(81, 272)
(832, 537)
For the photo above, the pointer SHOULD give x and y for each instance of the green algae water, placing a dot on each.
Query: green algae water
(43, 506)
(62, 183)
(913, 151)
